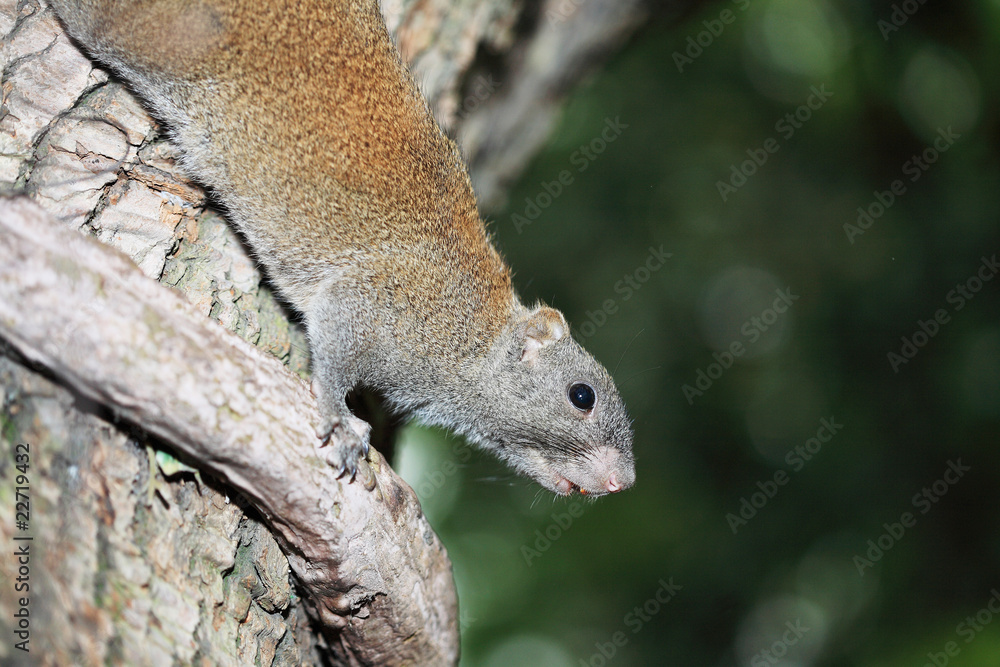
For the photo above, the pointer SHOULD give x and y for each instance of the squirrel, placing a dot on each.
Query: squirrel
(302, 120)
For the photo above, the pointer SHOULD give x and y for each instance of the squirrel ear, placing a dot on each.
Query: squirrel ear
(545, 325)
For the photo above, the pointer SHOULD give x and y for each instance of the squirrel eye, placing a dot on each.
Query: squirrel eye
(582, 396)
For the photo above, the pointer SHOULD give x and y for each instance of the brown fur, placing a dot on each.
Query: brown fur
(301, 117)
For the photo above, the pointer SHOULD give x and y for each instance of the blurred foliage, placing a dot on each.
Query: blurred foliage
(785, 586)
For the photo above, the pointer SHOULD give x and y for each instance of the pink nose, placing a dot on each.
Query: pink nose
(613, 486)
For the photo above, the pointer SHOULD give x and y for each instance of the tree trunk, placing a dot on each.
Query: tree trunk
(128, 558)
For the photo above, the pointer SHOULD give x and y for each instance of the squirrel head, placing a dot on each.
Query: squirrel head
(554, 412)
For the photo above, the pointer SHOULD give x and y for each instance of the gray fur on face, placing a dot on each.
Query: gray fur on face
(521, 409)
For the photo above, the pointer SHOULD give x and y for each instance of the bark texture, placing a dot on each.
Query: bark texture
(268, 560)
(374, 575)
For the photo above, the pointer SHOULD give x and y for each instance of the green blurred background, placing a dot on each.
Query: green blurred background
(793, 580)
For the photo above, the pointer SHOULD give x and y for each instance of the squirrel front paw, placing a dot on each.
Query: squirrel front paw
(343, 438)
(343, 443)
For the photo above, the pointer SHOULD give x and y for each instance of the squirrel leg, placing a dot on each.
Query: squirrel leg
(343, 437)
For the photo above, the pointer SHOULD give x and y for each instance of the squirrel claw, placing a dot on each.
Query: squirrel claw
(324, 430)
(348, 468)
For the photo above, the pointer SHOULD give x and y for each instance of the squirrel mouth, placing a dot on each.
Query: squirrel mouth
(602, 472)
(565, 487)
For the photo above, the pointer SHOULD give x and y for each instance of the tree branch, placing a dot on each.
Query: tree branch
(378, 579)
(569, 39)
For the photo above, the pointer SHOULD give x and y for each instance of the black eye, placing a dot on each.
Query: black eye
(582, 396)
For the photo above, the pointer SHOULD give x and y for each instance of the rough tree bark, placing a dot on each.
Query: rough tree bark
(137, 562)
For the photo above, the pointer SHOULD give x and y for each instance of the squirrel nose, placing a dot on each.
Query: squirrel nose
(613, 486)
(612, 470)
